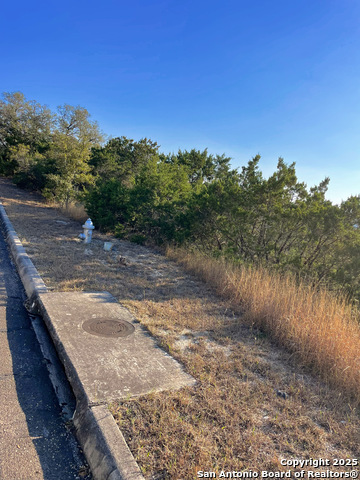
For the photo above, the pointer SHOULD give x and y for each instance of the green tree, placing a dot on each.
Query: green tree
(122, 158)
(160, 193)
(200, 166)
(25, 132)
(68, 173)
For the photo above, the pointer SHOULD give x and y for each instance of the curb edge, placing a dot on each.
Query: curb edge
(103, 444)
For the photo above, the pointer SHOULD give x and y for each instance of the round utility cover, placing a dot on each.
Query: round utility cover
(103, 327)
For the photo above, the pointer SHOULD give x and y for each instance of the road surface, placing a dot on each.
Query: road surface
(35, 442)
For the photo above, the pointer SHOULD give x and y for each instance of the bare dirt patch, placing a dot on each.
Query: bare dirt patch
(252, 405)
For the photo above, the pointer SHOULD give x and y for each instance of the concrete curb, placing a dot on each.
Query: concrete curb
(104, 446)
(30, 277)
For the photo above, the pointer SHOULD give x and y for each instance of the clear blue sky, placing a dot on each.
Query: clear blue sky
(241, 77)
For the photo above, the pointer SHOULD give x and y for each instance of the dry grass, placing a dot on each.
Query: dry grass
(320, 328)
(236, 417)
(75, 211)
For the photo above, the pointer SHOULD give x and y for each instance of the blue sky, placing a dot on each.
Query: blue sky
(279, 77)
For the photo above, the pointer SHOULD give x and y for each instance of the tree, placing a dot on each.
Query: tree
(200, 166)
(68, 171)
(122, 158)
(25, 126)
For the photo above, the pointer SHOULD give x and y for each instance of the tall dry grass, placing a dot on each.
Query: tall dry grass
(321, 329)
(73, 210)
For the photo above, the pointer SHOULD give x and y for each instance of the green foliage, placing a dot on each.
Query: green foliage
(138, 238)
(45, 151)
(25, 130)
(122, 158)
(191, 197)
(196, 198)
(69, 172)
(146, 200)
(108, 204)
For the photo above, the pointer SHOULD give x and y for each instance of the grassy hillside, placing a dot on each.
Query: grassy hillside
(321, 328)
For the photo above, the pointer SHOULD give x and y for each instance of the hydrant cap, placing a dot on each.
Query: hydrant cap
(88, 224)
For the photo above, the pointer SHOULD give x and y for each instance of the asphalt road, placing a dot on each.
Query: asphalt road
(35, 442)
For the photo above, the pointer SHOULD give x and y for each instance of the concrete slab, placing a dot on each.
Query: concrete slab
(101, 369)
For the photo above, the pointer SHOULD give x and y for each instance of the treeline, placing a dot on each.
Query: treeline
(46, 151)
(191, 197)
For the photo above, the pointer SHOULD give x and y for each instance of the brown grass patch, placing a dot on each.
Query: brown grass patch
(320, 328)
(74, 210)
(236, 418)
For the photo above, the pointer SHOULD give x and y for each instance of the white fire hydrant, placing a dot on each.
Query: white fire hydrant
(88, 228)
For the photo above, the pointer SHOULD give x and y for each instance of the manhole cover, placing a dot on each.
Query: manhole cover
(108, 328)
